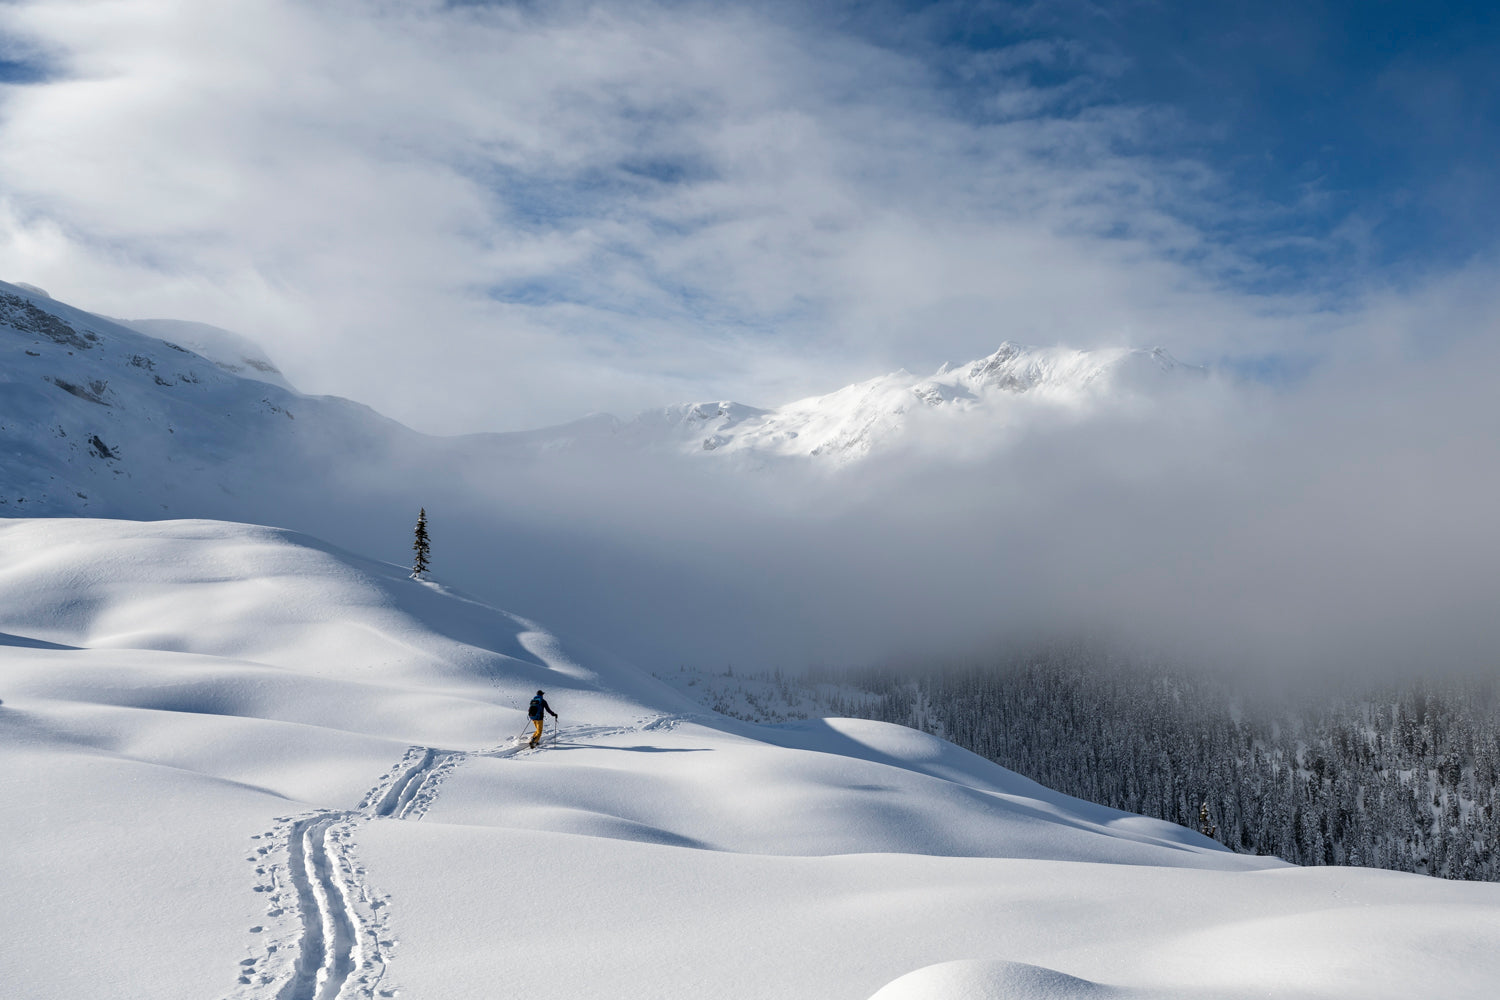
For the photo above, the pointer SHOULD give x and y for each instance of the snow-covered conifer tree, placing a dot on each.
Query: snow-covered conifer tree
(421, 546)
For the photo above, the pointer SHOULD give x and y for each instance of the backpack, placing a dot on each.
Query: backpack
(535, 712)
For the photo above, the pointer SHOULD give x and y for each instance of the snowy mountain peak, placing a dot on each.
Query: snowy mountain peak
(156, 417)
(1016, 368)
(851, 423)
(714, 416)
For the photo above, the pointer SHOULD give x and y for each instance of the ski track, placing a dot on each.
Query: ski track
(343, 945)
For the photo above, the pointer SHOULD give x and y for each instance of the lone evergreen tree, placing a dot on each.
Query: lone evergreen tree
(421, 546)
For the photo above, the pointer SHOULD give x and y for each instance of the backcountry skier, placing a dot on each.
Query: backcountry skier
(535, 714)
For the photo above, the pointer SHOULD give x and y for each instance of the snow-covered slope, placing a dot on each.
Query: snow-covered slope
(231, 352)
(238, 762)
(100, 419)
(1014, 385)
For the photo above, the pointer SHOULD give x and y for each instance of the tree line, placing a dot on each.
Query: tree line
(1401, 776)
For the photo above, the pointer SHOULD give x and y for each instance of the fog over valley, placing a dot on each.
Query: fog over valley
(1337, 519)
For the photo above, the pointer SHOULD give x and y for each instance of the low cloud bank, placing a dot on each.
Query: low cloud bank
(1347, 521)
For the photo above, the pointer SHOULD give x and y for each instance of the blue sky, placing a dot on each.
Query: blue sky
(1370, 128)
(1380, 112)
(611, 206)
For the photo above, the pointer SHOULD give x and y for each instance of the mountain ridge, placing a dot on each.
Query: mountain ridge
(103, 416)
(98, 419)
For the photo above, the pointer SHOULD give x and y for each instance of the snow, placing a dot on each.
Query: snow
(993, 980)
(239, 762)
(97, 418)
(1010, 387)
(228, 350)
(34, 290)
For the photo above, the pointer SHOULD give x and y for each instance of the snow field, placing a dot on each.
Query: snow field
(238, 763)
(590, 917)
(819, 792)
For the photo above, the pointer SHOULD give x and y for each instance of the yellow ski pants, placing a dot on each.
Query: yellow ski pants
(536, 737)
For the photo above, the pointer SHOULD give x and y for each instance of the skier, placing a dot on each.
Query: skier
(538, 706)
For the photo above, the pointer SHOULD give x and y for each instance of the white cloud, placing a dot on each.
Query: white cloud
(1344, 523)
(493, 217)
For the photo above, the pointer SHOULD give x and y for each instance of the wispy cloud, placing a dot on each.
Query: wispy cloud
(494, 216)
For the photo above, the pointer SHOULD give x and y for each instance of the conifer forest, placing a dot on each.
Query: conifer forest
(1401, 777)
